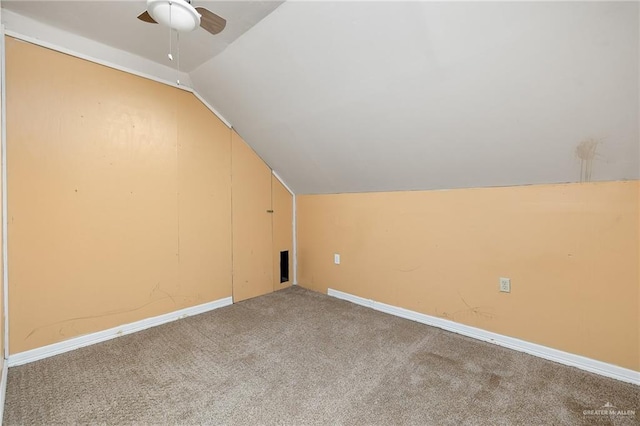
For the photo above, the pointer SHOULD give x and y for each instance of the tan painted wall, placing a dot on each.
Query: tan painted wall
(2, 295)
(119, 198)
(282, 202)
(570, 250)
(252, 230)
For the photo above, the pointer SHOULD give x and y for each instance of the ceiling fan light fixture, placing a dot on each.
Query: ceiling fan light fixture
(177, 14)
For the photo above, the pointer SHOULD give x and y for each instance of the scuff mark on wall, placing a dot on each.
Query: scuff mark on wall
(67, 326)
(69, 329)
(409, 269)
(477, 311)
(156, 289)
(586, 152)
(88, 317)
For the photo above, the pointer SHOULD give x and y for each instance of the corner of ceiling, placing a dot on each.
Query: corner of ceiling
(32, 31)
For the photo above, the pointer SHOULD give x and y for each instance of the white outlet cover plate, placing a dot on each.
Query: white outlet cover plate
(336, 258)
(505, 285)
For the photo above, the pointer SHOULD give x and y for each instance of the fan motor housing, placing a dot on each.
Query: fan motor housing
(176, 14)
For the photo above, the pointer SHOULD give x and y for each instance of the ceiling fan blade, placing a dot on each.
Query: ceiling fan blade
(210, 21)
(144, 16)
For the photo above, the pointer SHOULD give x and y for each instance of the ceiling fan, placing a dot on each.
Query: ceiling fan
(181, 16)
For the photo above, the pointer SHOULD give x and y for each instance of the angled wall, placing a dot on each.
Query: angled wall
(387, 96)
(252, 227)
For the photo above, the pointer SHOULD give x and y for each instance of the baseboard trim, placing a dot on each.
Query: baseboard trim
(3, 388)
(566, 358)
(101, 336)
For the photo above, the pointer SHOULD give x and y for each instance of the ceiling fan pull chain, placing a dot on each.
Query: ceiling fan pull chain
(178, 55)
(170, 37)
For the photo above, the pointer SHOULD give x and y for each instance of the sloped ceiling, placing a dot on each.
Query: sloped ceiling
(373, 96)
(114, 23)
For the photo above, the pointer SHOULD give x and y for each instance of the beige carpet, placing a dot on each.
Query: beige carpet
(299, 358)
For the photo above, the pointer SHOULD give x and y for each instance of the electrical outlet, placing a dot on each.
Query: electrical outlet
(505, 285)
(336, 258)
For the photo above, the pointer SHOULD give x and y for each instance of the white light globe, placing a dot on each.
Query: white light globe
(177, 14)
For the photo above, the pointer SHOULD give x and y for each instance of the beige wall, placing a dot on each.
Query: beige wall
(570, 250)
(119, 198)
(252, 230)
(282, 202)
(262, 224)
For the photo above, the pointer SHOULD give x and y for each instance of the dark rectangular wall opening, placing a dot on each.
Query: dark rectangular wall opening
(284, 266)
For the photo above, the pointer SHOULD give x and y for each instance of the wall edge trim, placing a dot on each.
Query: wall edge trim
(540, 351)
(3, 388)
(70, 52)
(104, 335)
(5, 202)
(294, 248)
(212, 109)
(277, 176)
(295, 240)
(5, 284)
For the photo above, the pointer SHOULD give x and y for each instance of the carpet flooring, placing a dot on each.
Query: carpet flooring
(296, 357)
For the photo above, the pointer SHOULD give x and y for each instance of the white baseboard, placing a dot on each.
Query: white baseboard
(3, 388)
(578, 361)
(101, 336)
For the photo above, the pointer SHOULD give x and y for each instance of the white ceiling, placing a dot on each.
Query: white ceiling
(114, 23)
(372, 96)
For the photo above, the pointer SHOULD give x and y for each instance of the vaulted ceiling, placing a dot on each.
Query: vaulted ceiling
(114, 23)
(372, 96)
